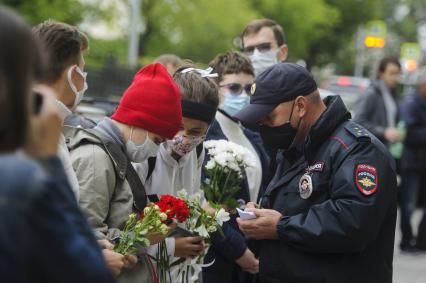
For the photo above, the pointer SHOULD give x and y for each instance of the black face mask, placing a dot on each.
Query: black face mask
(280, 137)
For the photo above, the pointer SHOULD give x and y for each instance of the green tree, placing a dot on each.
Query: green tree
(194, 29)
(338, 46)
(69, 11)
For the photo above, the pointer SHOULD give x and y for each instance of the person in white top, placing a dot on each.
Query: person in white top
(64, 46)
(235, 80)
(179, 161)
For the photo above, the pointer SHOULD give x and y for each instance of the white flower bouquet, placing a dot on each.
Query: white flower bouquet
(199, 223)
(225, 171)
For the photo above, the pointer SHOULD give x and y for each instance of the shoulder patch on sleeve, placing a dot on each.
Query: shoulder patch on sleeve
(358, 132)
(366, 179)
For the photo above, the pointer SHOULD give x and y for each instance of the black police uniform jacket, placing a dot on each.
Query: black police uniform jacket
(343, 232)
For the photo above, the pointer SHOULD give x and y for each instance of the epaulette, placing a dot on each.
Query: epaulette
(358, 132)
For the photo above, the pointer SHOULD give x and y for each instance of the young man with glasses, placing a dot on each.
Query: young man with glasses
(263, 41)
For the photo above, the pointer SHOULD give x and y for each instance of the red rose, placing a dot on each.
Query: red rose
(174, 207)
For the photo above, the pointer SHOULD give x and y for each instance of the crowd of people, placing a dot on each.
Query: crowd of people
(323, 188)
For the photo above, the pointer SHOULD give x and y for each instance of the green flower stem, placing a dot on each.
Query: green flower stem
(226, 182)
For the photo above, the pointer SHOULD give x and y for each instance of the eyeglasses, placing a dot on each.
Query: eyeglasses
(262, 47)
(237, 89)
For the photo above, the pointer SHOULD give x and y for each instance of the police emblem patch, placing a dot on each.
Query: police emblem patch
(366, 179)
(253, 89)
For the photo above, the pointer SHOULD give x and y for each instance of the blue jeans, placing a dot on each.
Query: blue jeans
(412, 183)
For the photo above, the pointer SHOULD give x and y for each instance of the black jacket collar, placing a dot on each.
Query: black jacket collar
(335, 114)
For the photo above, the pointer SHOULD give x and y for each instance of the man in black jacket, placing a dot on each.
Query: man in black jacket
(377, 110)
(413, 161)
(329, 213)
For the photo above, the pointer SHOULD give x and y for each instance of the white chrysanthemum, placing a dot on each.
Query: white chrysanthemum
(221, 216)
(222, 159)
(219, 149)
(212, 228)
(202, 231)
(234, 166)
(210, 164)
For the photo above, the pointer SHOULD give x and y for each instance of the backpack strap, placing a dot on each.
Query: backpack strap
(123, 167)
(138, 189)
(151, 166)
(199, 149)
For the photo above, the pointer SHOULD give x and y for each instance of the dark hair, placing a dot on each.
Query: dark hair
(385, 62)
(63, 45)
(20, 64)
(196, 88)
(231, 62)
(255, 26)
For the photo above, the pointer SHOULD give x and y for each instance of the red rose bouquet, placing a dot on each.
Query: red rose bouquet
(176, 209)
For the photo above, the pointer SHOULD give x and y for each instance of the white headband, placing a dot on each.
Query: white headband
(207, 73)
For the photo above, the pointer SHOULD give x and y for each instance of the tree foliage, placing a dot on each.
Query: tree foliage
(318, 31)
(70, 11)
(194, 29)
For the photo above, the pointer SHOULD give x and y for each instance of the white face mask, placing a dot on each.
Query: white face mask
(65, 112)
(141, 152)
(263, 60)
(78, 93)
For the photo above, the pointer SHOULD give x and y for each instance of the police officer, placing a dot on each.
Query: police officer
(329, 213)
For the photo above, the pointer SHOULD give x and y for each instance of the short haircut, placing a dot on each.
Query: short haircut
(255, 26)
(63, 45)
(20, 65)
(171, 59)
(196, 88)
(385, 62)
(231, 62)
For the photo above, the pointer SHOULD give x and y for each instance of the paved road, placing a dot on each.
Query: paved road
(408, 268)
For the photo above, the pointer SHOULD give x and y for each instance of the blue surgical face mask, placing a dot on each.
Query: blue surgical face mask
(234, 103)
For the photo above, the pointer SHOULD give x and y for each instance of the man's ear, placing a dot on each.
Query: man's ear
(301, 103)
(73, 72)
(282, 53)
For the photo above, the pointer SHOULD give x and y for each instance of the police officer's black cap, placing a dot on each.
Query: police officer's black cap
(280, 83)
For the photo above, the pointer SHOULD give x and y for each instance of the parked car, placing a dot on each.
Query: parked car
(350, 89)
(95, 108)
